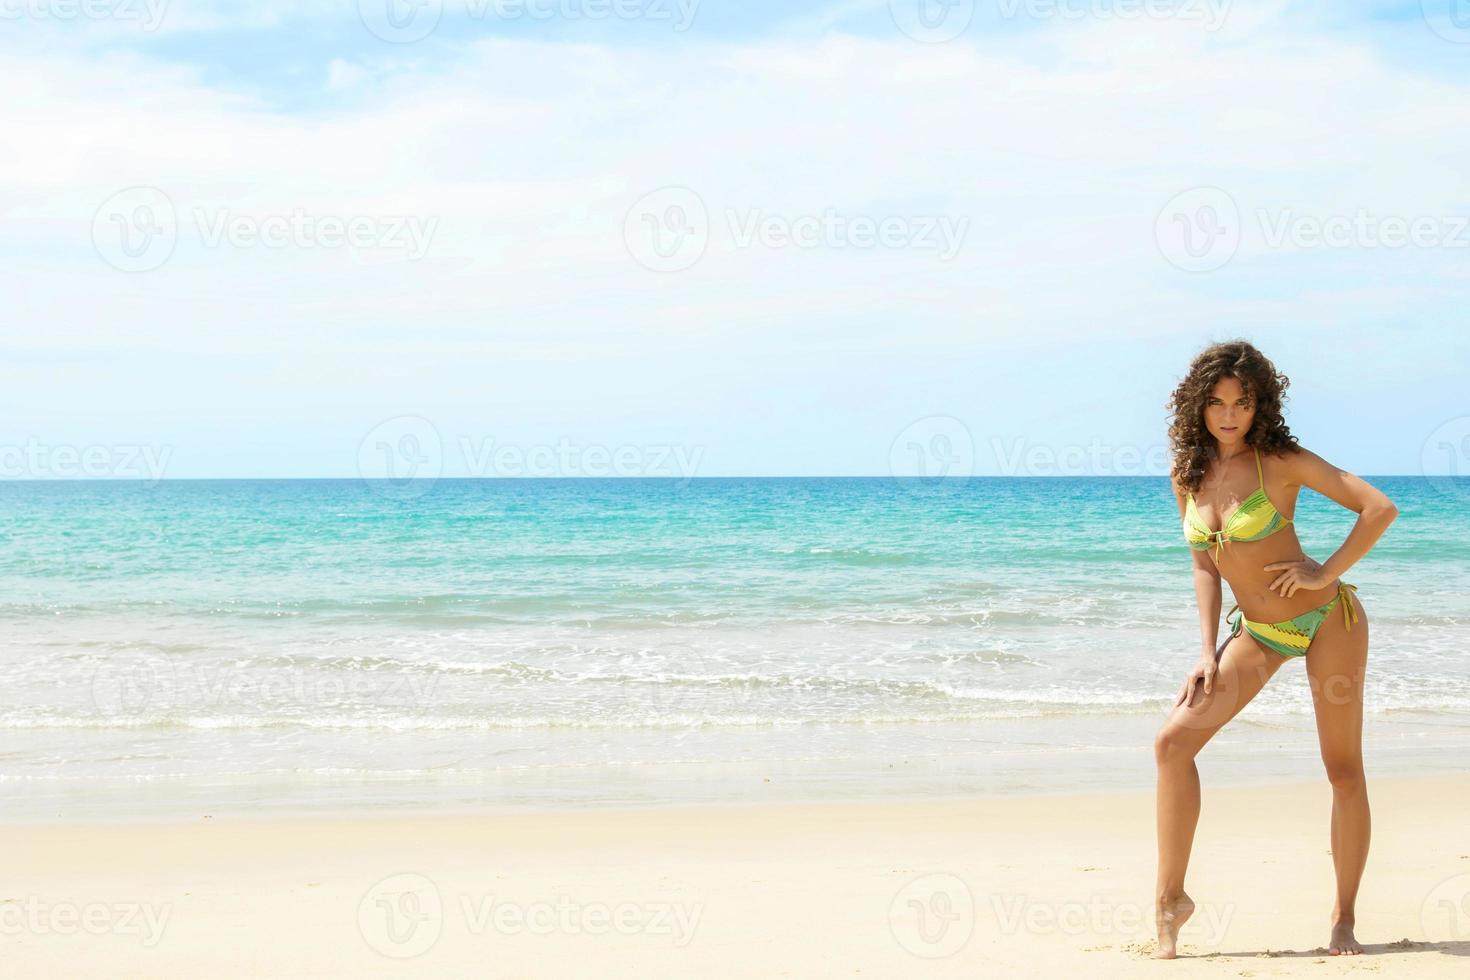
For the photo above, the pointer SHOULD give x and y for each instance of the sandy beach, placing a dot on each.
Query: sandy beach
(1002, 886)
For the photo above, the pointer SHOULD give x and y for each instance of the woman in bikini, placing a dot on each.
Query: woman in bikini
(1237, 471)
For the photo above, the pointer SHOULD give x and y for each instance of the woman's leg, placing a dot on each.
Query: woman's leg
(1245, 667)
(1336, 664)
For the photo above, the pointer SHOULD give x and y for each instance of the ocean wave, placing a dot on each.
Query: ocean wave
(416, 723)
(862, 557)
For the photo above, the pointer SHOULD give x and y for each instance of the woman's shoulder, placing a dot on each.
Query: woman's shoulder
(1291, 463)
(1283, 451)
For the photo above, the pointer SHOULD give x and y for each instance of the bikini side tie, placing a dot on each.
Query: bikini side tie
(1349, 610)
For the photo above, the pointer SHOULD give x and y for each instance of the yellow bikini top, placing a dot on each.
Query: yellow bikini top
(1254, 519)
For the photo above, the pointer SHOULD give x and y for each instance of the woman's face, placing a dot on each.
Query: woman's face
(1229, 413)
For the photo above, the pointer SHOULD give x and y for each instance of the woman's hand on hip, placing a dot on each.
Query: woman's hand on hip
(1304, 574)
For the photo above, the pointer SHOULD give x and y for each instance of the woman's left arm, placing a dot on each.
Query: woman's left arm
(1375, 511)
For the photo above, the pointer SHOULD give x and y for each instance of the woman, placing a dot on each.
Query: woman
(1237, 471)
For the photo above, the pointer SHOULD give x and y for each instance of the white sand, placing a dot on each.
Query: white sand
(1022, 886)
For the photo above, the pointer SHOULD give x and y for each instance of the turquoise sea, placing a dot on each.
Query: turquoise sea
(197, 647)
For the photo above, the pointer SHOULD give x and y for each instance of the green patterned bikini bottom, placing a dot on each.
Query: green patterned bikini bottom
(1292, 637)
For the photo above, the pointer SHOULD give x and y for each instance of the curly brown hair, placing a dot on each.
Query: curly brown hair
(1190, 442)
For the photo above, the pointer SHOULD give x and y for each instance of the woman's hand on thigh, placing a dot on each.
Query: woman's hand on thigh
(1205, 671)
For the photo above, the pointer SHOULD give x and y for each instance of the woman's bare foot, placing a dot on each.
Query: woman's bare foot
(1172, 914)
(1343, 943)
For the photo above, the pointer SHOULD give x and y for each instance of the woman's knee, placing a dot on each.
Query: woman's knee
(1344, 772)
(1175, 744)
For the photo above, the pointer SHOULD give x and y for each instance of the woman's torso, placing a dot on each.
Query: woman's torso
(1241, 563)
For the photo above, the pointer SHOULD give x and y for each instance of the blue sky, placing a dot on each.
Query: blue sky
(777, 238)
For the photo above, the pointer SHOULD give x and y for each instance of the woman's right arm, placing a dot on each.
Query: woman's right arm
(1207, 592)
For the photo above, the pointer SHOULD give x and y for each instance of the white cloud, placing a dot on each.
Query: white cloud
(1060, 150)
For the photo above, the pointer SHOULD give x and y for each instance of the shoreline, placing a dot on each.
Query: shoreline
(1250, 754)
(429, 810)
(1033, 884)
